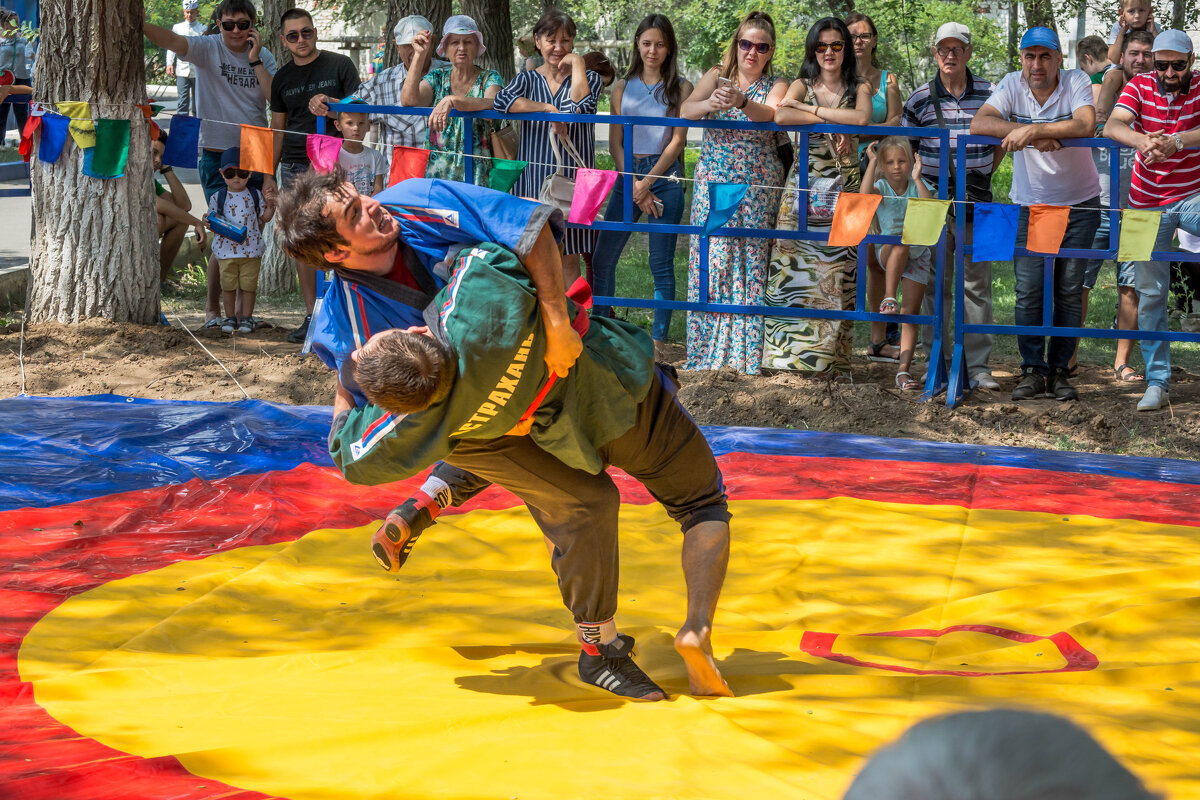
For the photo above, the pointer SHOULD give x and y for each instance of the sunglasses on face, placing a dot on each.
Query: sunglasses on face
(233, 172)
(747, 45)
(304, 33)
(834, 46)
(1179, 66)
(241, 24)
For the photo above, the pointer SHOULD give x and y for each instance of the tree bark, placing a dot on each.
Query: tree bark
(1014, 61)
(94, 250)
(1179, 15)
(1039, 13)
(436, 11)
(272, 10)
(495, 22)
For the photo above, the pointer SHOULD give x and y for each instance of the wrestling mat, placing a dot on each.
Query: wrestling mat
(188, 609)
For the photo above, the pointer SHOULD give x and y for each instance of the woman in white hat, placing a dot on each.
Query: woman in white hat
(462, 86)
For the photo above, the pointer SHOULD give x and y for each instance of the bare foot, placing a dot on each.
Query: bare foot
(703, 676)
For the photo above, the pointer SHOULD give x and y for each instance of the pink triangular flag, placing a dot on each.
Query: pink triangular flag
(323, 151)
(591, 187)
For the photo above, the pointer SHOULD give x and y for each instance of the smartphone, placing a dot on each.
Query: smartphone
(658, 206)
(724, 83)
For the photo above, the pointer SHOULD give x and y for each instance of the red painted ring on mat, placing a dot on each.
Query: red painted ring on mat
(1078, 657)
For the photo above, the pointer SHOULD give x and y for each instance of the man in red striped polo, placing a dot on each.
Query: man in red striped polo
(1159, 114)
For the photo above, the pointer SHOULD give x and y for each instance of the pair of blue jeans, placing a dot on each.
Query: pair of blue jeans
(1082, 223)
(1153, 279)
(186, 88)
(662, 245)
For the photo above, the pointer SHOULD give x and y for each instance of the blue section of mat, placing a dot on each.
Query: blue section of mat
(61, 450)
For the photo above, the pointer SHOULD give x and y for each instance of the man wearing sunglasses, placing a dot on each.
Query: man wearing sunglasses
(233, 83)
(1158, 114)
(312, 72)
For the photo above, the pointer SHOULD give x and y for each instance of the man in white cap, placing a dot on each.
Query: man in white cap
(951, 101)
(185, 79)
(385, 88)
(1158, 113)
(1031, 111)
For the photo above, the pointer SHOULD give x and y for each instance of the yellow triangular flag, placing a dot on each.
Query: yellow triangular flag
(1139, 229)
(82, 128)
(924, 220)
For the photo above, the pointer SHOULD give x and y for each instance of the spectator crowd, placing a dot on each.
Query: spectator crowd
(1136, 87)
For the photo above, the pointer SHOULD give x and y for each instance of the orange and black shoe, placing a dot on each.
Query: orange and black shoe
(610, 666)
(394, 540)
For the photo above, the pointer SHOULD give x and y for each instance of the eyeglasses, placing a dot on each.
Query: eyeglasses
(748, 45)
(1179, 65)
(241, 24)
(834, 46)
(304, 33)
(862, 37)
(946, 52)
(233, 172)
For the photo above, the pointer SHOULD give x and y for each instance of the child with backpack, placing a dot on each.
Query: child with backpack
(236, 215)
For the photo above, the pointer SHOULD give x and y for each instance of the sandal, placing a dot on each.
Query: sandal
(906, 384)
(875, 353)
(1120, 375)
(215, 322)
(889, 306)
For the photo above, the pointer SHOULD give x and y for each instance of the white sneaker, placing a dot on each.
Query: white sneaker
(984, 380)
(1154, 399)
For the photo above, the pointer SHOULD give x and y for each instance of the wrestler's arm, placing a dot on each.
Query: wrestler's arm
(563, 344)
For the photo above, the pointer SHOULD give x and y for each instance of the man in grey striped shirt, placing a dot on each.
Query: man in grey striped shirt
(950, 101)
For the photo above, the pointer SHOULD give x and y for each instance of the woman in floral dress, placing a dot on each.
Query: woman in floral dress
(742, 88)
(461, 86)
(804, 273)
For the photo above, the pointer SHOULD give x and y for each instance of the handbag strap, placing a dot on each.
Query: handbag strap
(567, 145)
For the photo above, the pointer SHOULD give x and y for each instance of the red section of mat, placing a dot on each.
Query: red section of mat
(51, 554)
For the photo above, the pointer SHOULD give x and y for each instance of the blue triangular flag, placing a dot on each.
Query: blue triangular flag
(183, 142)
(54, 136)
(995, 232)
(723, 202)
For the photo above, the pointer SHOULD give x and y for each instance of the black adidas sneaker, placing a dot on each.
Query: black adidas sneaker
(394, 540)
(613, 669)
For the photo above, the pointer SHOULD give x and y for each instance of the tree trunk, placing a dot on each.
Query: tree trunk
(1039, 13)
(1014, 58)
(1179, 15)
(272, 10)
(436, 11)
(495, 22)
(94, 250)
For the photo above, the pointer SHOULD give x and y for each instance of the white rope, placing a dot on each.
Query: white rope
(214, 358)
(21, 353)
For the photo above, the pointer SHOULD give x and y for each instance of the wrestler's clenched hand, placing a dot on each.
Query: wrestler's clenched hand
(563, 346)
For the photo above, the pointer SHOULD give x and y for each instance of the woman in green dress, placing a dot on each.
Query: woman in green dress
(462, 86)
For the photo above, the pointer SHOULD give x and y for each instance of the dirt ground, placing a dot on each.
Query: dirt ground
(97, 357)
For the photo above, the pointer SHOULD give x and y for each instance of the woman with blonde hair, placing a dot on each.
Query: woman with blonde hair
(743, 88)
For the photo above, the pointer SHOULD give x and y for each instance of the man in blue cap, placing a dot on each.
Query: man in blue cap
(1031, 111)
(1158, 114)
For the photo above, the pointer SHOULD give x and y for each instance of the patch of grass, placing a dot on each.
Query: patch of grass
(9, 154)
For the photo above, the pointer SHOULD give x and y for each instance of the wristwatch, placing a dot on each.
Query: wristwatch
(256, 63)
(745, 99)
(1178, 142)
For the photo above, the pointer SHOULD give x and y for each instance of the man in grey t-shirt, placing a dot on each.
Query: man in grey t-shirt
(233, 84)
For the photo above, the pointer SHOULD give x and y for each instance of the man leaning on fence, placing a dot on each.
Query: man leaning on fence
(1032, 111)
(1158, 113)
(951, 101)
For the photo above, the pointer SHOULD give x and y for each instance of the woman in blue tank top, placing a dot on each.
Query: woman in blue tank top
(651, 88)
(886, 107)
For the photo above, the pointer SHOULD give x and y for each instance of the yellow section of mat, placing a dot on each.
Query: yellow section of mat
(301, 670)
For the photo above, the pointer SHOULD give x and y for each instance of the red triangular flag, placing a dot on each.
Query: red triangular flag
(26, 148)
(407, 162)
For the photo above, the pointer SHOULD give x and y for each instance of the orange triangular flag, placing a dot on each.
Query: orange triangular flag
(407, 162)
(1047, 226)
(258, 145)
(852, 218)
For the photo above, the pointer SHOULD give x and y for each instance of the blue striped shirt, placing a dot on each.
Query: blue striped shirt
(920, 112)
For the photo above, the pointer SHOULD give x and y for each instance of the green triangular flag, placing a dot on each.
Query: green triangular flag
(111, 152)
(505, 173)
(1139, 229)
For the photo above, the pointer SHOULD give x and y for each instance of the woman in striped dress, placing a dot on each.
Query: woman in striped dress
(561, 84)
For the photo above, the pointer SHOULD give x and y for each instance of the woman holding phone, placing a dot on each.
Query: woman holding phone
(743, 88)
(651, 88)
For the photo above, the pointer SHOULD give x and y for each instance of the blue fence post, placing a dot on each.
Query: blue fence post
(627, 178)
(935, 376)
(958, 378)
(468, 145)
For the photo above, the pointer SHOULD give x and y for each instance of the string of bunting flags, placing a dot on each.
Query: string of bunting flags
(105, 146)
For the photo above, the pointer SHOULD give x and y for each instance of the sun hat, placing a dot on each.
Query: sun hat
(191, 5)
(407, 28)
(460, 24)
(1040, 37)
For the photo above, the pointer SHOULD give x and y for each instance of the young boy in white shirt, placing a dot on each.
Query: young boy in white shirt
(365, 167)
(239, 262)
